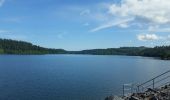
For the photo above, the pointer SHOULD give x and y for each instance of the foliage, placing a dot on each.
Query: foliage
(163, 51)
(20, 47)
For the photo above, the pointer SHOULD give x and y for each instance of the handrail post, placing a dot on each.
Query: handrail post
(138, 88)
(153, 83)
(141, 87)
(123, 90)
(131, 89)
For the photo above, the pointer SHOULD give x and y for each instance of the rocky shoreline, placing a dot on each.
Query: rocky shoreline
(162, 93)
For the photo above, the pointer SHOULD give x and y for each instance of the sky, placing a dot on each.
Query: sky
(86, 24)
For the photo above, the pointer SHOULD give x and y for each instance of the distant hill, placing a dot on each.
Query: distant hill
(8, 46)
(114, 51)
(162, 52)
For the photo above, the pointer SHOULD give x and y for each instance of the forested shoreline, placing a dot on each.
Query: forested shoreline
(162, 52)
(8, 46)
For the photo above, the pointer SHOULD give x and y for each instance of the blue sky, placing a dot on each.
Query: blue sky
(86, 24)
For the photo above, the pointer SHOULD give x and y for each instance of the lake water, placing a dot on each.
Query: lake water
(72, 77)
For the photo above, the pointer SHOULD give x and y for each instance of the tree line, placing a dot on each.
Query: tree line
(8, 46)
(162, 52)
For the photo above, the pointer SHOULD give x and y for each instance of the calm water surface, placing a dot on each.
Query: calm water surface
(72, 77)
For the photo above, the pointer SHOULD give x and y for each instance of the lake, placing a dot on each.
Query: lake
(72, 77)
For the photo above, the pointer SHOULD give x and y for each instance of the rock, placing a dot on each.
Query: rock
(151, 94)
(113, 98)
(153, 98)
(163, 94)
(165, 87)
(110, 98)
(151, 90)
(134, 98)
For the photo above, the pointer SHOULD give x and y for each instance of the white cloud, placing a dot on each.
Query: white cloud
(148, 37)
(124, 25)
(163, 30)
(153, 37)
(111, 24)
(145, 14)
(153, 28)
(156, 11)
(1, 2)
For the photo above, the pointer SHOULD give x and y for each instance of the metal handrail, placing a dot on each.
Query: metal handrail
(156, 82)
(154, 78)
(151, 81)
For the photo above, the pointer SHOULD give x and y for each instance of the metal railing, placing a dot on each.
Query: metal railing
(156, 82)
